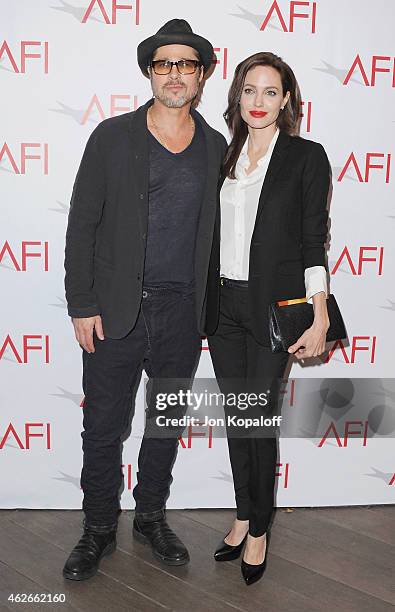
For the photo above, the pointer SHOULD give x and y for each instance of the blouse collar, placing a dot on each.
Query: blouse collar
(243, 158)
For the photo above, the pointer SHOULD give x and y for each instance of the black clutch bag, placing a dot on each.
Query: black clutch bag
(288, 320)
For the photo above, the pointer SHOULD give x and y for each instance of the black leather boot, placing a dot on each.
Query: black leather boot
(166, 546)
(96, 542)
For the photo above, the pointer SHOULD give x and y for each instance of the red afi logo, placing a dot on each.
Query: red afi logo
(283, 473)
(95, 105)
(29, 431)
(192, 433)
(293, 7)
(288, 390)
(364, 178)
(222, 59)
(129, 480)
(306, 114)
(42, 154)
(19, 65)
(357, 66)
(356, 270)
(355, 349)
(26, 347)
(348, 431)
(112, 8)
(25, 255)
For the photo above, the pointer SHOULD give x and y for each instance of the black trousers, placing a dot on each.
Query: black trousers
(166, 343)
(241, 364)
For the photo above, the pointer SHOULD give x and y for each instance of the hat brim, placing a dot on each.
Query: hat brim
(147, 47)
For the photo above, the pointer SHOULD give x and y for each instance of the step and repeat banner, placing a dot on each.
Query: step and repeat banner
(66, 66)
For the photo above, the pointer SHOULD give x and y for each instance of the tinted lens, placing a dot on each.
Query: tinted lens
(165, 66)
(161, 67)
(186, 66)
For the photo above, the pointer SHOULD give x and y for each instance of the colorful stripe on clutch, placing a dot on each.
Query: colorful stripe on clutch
(289, 302)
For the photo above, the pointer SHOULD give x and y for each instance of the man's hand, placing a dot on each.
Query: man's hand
(83, 329)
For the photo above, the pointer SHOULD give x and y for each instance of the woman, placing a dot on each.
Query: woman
(273, 231)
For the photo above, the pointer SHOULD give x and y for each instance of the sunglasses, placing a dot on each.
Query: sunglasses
(184, 66)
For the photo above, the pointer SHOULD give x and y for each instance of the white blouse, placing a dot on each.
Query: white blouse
(239, 205)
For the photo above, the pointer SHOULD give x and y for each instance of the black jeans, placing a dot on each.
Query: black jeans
(166, 343)
(242, 364)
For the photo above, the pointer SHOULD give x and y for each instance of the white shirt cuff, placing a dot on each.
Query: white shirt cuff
(315, 281)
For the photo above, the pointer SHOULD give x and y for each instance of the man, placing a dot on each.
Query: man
(138, 259)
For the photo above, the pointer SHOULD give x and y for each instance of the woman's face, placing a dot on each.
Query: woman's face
(262, 97)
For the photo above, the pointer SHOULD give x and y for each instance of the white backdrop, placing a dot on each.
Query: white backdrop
(65, 66)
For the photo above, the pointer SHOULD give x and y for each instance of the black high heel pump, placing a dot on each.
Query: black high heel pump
(226, 552)
(253, 573)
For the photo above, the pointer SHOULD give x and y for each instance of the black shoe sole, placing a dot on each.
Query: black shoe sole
(110, 548)
(144, 540)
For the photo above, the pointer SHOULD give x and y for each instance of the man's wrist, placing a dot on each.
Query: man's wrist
(84, 312)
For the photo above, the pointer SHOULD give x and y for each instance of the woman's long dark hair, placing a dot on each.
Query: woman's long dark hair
(288, 120)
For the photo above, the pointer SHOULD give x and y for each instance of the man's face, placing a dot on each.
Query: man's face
(175, 90)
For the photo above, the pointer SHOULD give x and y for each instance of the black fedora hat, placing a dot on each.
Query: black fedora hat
(174, 32)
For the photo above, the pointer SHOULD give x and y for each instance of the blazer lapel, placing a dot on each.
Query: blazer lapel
(208, 208)
(139, 162)
(275, 164)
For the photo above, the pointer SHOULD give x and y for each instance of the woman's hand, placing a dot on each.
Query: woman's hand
(314, 338)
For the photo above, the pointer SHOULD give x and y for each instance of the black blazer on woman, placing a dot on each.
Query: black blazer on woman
(289, 233)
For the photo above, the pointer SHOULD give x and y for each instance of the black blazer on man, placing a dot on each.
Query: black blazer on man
(290, 228)
(107, 225)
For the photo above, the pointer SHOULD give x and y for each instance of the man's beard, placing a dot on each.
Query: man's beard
(178, 102)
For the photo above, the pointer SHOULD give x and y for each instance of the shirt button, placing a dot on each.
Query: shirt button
(144, 236)
(141, 196)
